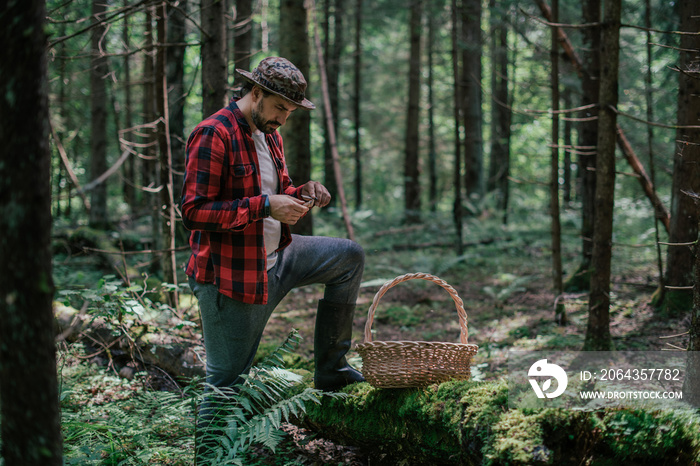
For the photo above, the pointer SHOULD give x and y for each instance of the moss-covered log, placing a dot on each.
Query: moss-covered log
(469, 423)
(143, 345)
(98, 242)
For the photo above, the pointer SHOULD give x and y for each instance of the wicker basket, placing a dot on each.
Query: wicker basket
(400, 364)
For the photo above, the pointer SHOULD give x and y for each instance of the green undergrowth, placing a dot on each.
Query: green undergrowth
(470, 423)
(108, 420)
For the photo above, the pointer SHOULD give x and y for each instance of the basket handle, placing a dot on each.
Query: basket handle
(464, 330)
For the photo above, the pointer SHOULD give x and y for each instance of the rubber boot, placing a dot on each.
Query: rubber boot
(332, 339)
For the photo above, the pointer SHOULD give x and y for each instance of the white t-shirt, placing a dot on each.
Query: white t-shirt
(269, 182)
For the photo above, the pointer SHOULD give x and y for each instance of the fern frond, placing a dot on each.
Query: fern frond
(268, 396)
(276, 358)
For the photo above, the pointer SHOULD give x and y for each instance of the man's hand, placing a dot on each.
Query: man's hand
(287, 209)
(317, 192)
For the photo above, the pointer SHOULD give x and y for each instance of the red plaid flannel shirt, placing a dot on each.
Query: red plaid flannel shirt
(223, 207)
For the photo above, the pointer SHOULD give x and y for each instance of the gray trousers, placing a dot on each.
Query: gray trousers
(233, 329)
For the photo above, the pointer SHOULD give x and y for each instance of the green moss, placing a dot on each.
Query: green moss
(436, 425)
(673, 302)
(469, 423)
(579, 281)
(484, 404)
(517, 439)
(642, 437)
(657, 297)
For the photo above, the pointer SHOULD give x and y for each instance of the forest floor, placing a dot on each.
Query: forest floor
(503, 277)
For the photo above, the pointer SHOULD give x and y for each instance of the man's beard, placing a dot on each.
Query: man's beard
(265, 126)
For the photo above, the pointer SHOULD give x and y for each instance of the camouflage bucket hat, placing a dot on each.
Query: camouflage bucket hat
(279, 76)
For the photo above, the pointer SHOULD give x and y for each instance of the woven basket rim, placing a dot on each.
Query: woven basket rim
(459, 304)
(414, 343)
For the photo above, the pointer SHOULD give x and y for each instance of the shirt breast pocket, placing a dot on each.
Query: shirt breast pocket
(243, 182)
(242, 170)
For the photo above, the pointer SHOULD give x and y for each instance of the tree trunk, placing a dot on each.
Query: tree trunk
(129, 183)
(29, 410)
(568, 190)
(176, 90)
(243, 34)
(411, 164)
(649, 94)
(598, 331)
(333, 49)
(62, 117)
(457, 168)
(432, 155)
(587, 139)
(686, 168)
(98, 118)
(296, 132)
(691, 384)
(356, 104)
(471, 97)
(167, 199)
(214, 70)
(499, 166)
(150, 164)
(554, 168)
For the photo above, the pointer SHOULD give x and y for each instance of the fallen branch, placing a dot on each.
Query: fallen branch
(69, 168)
(661, 212)
(81, 190)
(98, 242)
(109, 172)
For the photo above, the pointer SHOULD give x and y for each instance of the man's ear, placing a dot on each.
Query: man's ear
(257, 93)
